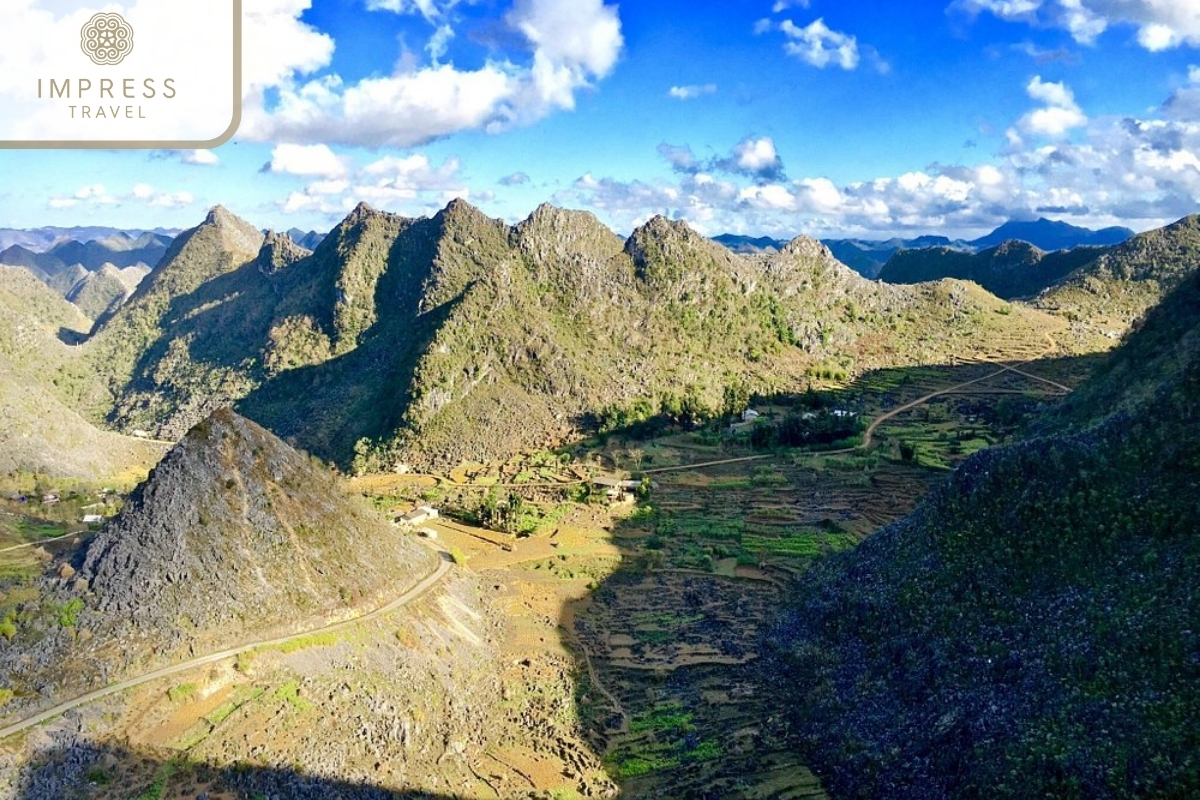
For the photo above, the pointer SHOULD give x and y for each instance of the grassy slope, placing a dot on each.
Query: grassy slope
(1104, 298)
(41, 383)
(1032, 630)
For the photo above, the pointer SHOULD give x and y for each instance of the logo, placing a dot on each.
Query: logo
(91, 83)
(106, 39)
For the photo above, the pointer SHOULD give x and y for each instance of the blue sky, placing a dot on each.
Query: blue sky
(781, 117)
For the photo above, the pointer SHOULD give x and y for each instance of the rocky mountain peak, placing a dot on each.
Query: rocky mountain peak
(236, 533)
(278, 252)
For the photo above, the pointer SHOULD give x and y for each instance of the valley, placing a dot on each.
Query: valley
(681, 497)
(633, 633)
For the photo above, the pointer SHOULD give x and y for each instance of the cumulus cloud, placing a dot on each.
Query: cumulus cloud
(1128, 171)
(515, 179)
(409, 184)
(569, 44)
(96, 195)
(305, 160)
(692, 91)
(680, 157)
(1184, 102)
(1059, 112)
(755, 157)
(1160, 24)
(783, 5)
(818, 45)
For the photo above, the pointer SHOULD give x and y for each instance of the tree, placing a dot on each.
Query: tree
(736, 398)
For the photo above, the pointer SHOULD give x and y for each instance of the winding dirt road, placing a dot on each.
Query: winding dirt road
(413, 593)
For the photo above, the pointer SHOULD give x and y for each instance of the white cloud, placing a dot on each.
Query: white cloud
(756, 155)
(439, 43)
(1161, 24)
(692, 91)
(514, 179)
(410, 184)
(204, 158)
(1115, 171)
(1059, 113)
(820, 46)
(783, 5)
(570, 44)
(306, 160)
(96, 195)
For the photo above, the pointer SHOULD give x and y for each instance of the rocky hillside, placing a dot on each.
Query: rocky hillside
(1032, 630)
(1009, 270)
(236, 535)
(42, 379)
(431, 341)
(1104, 297)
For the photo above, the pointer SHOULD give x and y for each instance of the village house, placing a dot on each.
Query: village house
(418, 516)
(92, 519)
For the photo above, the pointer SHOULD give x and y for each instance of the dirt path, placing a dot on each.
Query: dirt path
(41, 541)
(413, 593)
(657, 470)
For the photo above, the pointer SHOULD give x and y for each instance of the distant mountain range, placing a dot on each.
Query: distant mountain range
(41, 239)
(867, 256)
(97, 274)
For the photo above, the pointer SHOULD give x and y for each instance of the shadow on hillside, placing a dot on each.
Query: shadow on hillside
(102, 772)
(325, 407)
(677, 689)
(72, 337)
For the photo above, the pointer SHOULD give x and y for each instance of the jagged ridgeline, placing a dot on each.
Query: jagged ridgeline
(1033, 629)
(460, 337)
(236, 534)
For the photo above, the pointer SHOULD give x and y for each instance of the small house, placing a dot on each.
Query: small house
(418, 516)
(49, 499)
(92, 519)
(749, 415)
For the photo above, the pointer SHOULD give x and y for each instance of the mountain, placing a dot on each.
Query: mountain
(41, 264)
(98, 274)
(42, 239)
(42, 381)
(236, 535)
(119, 249)
(99, 293)
(234, 539)
(306, 239)
(1052, 235)
(1104, 297)
(1032, 630)
(459, 337)
(748, 244)
(1011, 269)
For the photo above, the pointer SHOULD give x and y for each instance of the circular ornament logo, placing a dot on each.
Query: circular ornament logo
(106, 38)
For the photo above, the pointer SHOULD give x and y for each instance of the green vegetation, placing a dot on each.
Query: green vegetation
(290, 694)
(1050, 582)
(158, 786)
(296, 340)
(183, 691)
(67, 614)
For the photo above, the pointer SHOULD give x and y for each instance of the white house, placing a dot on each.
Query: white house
(92, 519)
(749, 415)
(418, 516)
